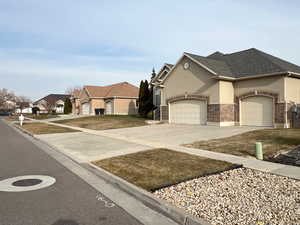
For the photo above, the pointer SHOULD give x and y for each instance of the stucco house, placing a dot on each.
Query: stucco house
(51, 103)
(116, 99)
(75, 100)
(248, 87)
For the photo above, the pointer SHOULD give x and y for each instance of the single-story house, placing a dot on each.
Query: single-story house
(248, 87)
(23, 107)
(52, 103)
(116, 99)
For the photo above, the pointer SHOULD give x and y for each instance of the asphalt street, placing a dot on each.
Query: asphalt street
(69, 201)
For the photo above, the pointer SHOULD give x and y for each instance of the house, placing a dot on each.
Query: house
(52, 103)
(23, 107)
(75, 100)
(116, 99)
(249, 87)
(155, 81)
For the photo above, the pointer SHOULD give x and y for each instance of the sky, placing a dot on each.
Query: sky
(51, 45)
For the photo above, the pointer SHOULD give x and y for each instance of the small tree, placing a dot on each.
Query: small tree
(145, 99)
(67, 106)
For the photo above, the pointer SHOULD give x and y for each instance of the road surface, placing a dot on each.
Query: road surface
(69, 201)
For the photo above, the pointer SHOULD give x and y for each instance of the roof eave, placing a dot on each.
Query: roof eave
(255, 76)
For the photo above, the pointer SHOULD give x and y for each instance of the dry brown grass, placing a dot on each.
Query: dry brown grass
(273, 140)
(157, 168)
(105, 122)
(43, 128)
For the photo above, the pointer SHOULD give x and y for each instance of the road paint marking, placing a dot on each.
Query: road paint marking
(8, 185)
(107, 203)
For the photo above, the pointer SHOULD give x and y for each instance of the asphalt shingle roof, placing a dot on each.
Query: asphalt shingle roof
(249, 62)
(123, 89)
(53, 98)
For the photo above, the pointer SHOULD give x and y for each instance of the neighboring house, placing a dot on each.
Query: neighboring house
(23, 107)
(75, 102)
(155, 81)
(52, 103)
(116, 99)
(249, 88)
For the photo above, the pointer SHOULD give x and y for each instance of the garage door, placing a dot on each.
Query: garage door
(257, 111)
(108, 108)
(86, 108)
(188, 112)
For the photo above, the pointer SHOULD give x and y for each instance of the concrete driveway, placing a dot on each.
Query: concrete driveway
(175, 134)
(86, 147)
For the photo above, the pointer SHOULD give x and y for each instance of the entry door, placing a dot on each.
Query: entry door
(108, 108)
(257, 111)
(188, 112)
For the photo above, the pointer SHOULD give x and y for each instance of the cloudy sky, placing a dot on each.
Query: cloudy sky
(50, 45)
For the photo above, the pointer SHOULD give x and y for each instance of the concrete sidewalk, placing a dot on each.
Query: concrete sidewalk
(274, 168)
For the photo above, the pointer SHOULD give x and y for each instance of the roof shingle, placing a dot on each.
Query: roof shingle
(123, 89)
(249, 62)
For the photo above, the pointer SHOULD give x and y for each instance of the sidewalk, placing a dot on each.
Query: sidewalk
(274, 168)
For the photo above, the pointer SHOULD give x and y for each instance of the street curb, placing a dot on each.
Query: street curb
(146, 198)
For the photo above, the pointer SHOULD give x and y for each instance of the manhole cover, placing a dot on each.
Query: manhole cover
(27, 182)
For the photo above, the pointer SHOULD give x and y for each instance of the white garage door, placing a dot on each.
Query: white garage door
(257, 111)
(188, 112)
(108, 108)
(86, 108)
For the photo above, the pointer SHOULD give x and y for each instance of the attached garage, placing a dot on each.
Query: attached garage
(86, 108)
(108, 108)
(188, 112)
(257, 111)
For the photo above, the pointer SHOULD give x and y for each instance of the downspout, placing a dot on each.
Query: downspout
(285, 103)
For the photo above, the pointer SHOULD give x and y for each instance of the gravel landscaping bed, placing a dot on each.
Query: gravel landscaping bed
(239, 196)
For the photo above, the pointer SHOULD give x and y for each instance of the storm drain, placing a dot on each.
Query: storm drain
(26, 183)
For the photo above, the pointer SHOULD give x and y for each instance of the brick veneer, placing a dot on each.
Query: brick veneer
(220, 112)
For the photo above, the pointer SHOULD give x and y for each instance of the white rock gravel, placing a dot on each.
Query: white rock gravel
(240, 196)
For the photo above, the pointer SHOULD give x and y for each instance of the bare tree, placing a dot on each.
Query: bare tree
(7, 99)
(71, 90)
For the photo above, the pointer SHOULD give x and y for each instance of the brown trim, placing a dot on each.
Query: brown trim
(188, 97)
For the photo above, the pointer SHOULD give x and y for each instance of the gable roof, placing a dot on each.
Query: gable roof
(160, 75)
(240, 64)
(123, 89)
(53, 98)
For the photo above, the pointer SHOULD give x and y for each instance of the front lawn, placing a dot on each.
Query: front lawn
(43, 128)
(105, 122)
(158, 168)
(273, 140)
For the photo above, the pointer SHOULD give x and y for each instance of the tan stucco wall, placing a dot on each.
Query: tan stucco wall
(124, 106)
(292, 89)
(194, 80)
(226, 92)
(273, 84)
(96, 104)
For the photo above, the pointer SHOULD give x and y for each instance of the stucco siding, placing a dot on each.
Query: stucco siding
(125, 106)
(226, 92)
(97, 103)
(268, 84)
(194, 80)
(292, 86)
